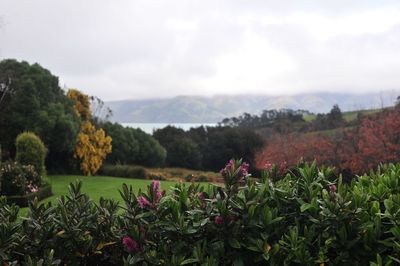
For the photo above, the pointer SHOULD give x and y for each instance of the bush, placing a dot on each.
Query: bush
(0, 169)
(202, 178)
(31, 151)
(19, 179)
(119, 170)
(13, 179)
(306, 218)
(157, 176)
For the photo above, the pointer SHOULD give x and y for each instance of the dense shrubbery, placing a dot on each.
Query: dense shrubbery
(119, 170)
(18, 179)
(31, 151)
(305, 218)
(352, 151)
(133, 146)
(207, 148)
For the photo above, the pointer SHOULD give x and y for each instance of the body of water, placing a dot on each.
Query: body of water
(150, 127)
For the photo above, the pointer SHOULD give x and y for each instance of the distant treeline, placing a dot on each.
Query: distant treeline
(288, 120)
(208, 147)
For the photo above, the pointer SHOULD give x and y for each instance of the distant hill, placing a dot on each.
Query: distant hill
(197, 109)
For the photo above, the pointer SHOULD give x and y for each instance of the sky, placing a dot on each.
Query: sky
(130, 49)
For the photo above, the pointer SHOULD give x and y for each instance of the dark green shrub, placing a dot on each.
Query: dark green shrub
(13, 179)
(189, 178)
(19, 179)
(130, 171)
(33, 179)
(202, 178)
(30, 150)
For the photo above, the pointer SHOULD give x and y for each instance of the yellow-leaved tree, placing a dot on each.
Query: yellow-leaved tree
(92, 145)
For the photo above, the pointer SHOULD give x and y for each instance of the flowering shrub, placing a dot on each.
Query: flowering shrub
(306, 218)
(19, 179)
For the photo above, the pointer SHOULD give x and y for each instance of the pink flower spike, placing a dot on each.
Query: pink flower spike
(332, 188)
(268, 166)
(223, 172)
(219, 220)
(143, 202)
(130, 244)
(155, 185)
(244, 169)
(158, 196)
(231, 164)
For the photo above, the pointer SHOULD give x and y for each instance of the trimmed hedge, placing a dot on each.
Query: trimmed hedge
(30, 150)
(119, 170)
(23, 200)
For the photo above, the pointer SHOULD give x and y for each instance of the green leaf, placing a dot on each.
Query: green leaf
(234, 243)
(305, 207)
(189, 261)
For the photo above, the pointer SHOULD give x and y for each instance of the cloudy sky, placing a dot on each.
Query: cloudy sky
(143, 49)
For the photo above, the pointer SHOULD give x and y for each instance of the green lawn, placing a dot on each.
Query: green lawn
(96, 186)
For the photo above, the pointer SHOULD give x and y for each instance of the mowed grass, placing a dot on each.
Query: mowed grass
(96, 187)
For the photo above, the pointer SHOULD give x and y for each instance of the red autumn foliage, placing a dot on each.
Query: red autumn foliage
(375, 140)
(293, 147)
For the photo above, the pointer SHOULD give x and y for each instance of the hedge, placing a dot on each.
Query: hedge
(120, 170)
(23, 200)
(307, 217)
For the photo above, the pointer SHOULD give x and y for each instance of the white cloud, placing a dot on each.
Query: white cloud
(152, 48)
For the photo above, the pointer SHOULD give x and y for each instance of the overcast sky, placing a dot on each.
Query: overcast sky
(144, 49)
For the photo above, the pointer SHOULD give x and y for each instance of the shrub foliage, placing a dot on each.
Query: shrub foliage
(305, 218)
(31, 151)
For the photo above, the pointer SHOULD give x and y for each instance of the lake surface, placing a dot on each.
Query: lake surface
(150, 127)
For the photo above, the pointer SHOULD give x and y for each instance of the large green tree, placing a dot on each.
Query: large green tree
(133, 146)
(181, 150)
(35, 102)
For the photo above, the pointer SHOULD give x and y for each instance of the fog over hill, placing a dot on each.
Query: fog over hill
(198, 109)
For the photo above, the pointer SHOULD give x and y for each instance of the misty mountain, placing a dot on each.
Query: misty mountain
(198, 109)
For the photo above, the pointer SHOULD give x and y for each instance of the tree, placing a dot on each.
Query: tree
(34, 102)
(133, 146)
(335, 118)
(81, 104)
(376, 140)
(181, 150)
(92, 146)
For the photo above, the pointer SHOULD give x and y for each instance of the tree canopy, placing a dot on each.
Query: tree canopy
(36, 103)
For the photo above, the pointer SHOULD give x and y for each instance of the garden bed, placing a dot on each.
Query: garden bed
(22, 200)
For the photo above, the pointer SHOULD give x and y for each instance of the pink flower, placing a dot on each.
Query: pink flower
(223, 172)
(155, 185)
(130, 244)
(158, 196)
(332, 188)
(219, 220)
(282, 167)
(230, 165)
(143, 202)
(200, 195)
(244, 169)
(268, 166)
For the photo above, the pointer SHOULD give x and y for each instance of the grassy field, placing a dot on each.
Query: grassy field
(96, 186)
